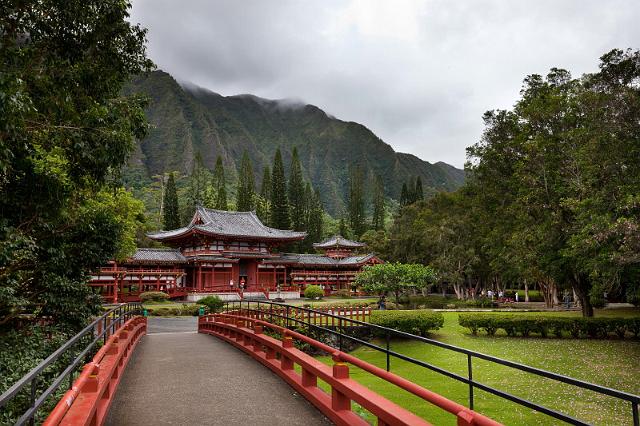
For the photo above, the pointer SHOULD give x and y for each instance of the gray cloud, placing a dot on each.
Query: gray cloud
(420, 74)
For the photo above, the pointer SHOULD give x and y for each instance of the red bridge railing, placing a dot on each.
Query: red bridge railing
(89, 399)
(281, 356)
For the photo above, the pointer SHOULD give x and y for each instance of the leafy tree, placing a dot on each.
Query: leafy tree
(296, 188)
(246, 186)
(395, 278)
(357, 219)
(171, 219)
(377, 222)
(66, 132)
(279, 203)
(220, 183)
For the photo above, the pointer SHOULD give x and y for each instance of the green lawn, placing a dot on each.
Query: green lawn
(613, 363)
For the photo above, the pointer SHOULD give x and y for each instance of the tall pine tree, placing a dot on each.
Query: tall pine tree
(404, 196)
(357, 219)
(264, 199)
(419, 191)
(196, 186)
(220, 184)
(279, 209)
(246, 187)
(171, 218)
(296, 193)
(315, 219)
(378, 204)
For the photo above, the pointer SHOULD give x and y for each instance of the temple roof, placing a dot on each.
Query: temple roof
(318, 259)
(228, 224)
(157, 255)
(338, 241)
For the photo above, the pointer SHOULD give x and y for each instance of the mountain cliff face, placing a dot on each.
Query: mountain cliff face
(186, 120)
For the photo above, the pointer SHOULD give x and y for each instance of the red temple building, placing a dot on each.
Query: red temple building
(233, 255)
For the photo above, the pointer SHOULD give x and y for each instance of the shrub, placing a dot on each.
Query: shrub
(153, 296)
(633, 295)
(414, 322)
(524, 325)
(344, 294)
(313, 292)
(214, 303)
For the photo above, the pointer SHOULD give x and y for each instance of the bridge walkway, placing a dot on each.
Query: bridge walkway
(179, 377)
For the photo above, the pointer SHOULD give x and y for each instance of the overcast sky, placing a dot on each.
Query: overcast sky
(419, 74)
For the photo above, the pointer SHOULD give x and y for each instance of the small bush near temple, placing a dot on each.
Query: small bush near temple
(153, 296)
(313, 292)
(214, 303)
(414, 322)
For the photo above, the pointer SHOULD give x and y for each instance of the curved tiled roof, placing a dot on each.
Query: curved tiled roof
(157, 255)
(338, 241)
(229, 224)
(317, 259)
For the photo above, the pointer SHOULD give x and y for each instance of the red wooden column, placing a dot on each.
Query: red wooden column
(199, 283)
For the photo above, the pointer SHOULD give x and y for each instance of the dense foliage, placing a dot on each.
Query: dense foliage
(524, 325)
(396, 278)
(551, 197)
(417, 322)
(65, 132)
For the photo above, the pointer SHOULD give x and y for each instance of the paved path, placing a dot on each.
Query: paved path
(179, 377)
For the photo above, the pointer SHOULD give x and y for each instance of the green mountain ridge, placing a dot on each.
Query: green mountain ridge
(186, 120)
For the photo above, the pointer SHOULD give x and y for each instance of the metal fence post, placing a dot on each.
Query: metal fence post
(636, 417)
(470, 371)
(287, 314)
(34, 382)
(388, 356)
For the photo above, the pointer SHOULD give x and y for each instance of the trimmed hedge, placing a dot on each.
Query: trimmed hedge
(414, 322)
(153, 296)
(524, 325)
(186, 310)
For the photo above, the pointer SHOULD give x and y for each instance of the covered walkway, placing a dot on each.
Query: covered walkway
(179, 377)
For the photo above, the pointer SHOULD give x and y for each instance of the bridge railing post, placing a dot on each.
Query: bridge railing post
(339, 401)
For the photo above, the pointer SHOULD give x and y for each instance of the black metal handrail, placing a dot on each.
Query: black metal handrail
(100, 329)
(310, 323)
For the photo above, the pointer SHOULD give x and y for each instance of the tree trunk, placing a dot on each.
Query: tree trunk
(459, 290)
(397, 294)
(526, 291)
(581, 287)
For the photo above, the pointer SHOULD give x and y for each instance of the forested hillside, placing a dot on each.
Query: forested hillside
(187, 121)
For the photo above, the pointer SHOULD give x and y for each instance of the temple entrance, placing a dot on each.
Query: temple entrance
(248, 271)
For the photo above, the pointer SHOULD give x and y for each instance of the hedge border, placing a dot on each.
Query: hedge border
(545, 326)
